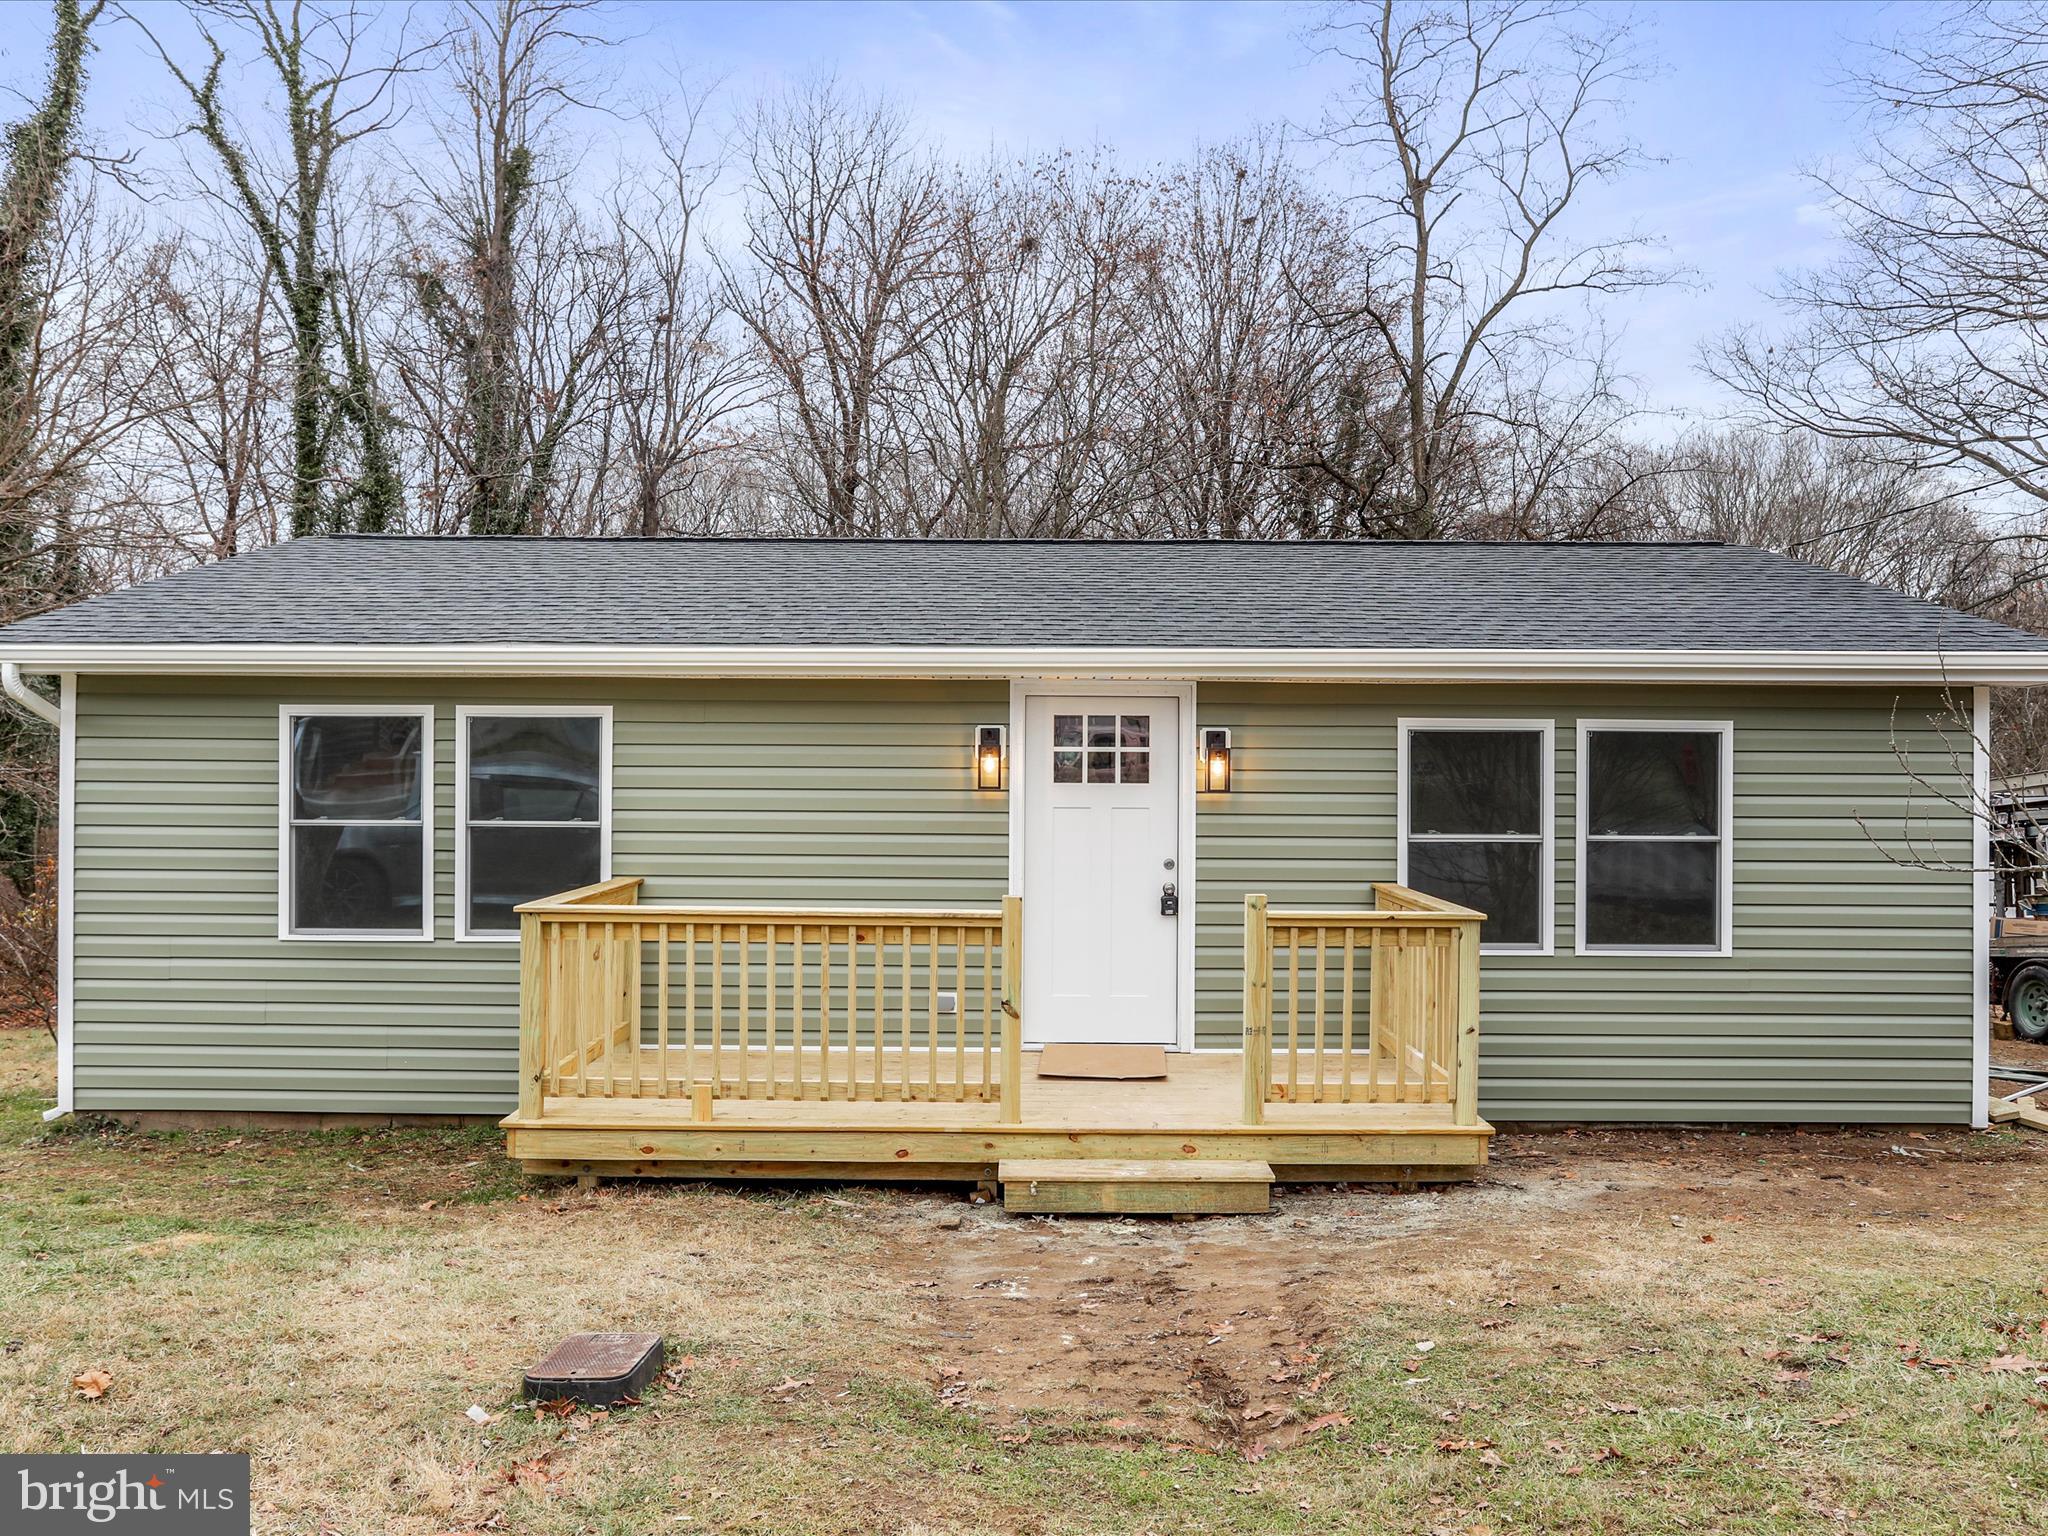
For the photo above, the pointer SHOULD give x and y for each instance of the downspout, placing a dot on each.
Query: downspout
(12, 685)
(59, 717)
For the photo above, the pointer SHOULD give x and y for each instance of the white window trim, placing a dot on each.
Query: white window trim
(1724, 918)
(1547, 789)
(286, 904)
(464, 713)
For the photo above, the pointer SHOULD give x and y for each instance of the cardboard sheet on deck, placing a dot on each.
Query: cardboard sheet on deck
(1102, 1061)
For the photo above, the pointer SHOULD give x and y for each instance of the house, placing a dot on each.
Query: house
(751, 856)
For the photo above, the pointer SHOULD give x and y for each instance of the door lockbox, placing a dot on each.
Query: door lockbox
(1169, 900)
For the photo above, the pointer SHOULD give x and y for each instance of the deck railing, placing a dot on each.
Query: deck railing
(624, 1000)
(1368, 1007)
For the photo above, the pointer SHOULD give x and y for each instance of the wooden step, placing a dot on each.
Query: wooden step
(1108, 1186)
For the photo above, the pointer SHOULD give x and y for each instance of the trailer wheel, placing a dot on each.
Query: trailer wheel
(2026, 1001)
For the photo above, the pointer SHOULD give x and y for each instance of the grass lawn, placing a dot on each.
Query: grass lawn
(1608, 1332)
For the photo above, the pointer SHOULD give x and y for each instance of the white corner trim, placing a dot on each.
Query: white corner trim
(424, 934)
(464, 713)
(1134, 663)
(1406, 726)
(67, 897)
(1724, 919)
(1983, 887)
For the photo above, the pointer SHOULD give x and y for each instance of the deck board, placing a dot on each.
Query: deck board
(1201, 1091)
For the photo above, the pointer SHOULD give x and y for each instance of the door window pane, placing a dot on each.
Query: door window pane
(1101, 767)
(1066, 767)
(1136, 730)
(1136, 767)
(1653, 783)
(1066, 730)
(509, 865)
(1475, 782)
(1503, 880)
(1656, 894)
(1102, 730)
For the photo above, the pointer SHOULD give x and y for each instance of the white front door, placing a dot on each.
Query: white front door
(1102, 776)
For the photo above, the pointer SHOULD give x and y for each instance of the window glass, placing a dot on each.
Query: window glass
(355, 767)
(1475, 832)
(353, 879)
(512, 864)
(1475, 782)
(535, 813)
(355, 840)
(535, 768)
(1503, 880)
(1654, 783)
(1655, 894)
(1119, 749)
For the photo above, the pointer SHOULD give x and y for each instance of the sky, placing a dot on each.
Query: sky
(1746, 97)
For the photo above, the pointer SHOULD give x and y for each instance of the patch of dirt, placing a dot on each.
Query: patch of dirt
(1125, 1325)
(1215, 1333)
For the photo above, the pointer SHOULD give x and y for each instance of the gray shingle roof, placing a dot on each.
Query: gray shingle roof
(798, 592)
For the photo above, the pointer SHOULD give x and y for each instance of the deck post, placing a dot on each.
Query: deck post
(1258, 1011)
(1465, 1081)
(1012, 1111)
(532, 1017)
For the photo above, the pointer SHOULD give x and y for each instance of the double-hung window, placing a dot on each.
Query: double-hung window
(1475, 800)
(1655, 849)
(533, 810)
(356, 801)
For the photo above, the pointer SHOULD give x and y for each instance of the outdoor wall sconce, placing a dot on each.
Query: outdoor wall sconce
(1212, 774)
(989, 744)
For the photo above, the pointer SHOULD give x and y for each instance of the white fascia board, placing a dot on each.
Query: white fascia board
(1159, 663)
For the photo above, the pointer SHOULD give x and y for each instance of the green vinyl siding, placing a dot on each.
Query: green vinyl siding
(1848, 995)
(830, 793)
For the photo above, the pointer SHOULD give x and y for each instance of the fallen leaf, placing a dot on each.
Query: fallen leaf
(1834, 1419)
(1324, 1421)
(2013, 1363)
(790, 1384)
(92, 1384)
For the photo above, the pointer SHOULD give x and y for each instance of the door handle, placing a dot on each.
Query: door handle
(1169, 900)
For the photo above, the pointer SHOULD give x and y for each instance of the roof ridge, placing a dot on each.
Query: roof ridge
(866, 541)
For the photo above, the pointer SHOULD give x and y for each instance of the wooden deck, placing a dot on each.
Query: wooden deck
(699, 1042)
(1192, 1113)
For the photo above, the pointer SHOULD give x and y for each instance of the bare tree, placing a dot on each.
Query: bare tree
(851, 267)
(1928, 339)
(336, 89)
(496, 259)
(1254, 417)
(677, 380)
(1476, 125)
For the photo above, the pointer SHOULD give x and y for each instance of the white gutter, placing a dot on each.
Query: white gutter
(12, 685)
(1164, 663)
